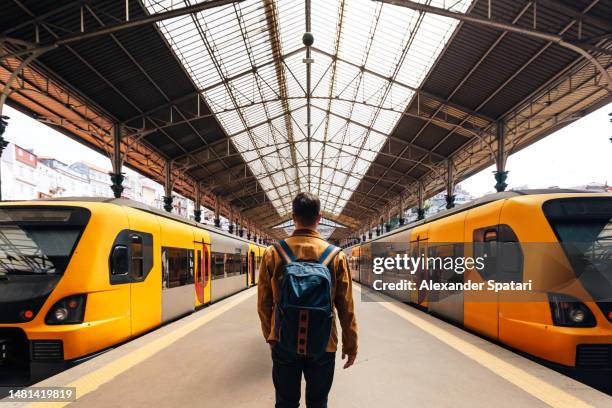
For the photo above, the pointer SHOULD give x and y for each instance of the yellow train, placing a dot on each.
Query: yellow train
(80, 275)
(561, 243)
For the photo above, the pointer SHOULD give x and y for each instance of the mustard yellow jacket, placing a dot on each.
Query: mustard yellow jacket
(308, 245)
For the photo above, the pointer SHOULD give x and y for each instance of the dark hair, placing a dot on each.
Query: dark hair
(306, 208)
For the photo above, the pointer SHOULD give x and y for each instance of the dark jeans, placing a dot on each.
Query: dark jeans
(287, 369)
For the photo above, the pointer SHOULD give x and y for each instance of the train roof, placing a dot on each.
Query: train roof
(142, 207)
(486, 199)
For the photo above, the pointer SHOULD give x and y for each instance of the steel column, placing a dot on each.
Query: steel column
(241, 230)
(217, 211)
(230, 228)
(450, 184)
(501, 173)
(197, 212)
(3, 144)
(420, 202)
(116, 175)
(168, 186)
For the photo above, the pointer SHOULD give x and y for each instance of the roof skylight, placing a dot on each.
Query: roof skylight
(247, 58)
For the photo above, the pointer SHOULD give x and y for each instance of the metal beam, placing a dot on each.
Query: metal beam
(553, 38)
(132, 23)
(417, 91)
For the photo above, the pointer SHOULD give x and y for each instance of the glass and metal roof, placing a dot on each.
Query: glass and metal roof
(249, 62)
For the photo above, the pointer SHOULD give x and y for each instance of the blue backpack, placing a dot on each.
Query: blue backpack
(303, 317)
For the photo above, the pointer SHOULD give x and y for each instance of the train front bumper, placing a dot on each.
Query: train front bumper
(30, 342)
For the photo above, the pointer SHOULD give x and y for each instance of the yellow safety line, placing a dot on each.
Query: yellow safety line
(529, 383)
(90, 382)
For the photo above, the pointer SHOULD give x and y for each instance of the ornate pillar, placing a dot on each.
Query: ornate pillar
(501, 174)
(450, 184)
(420, 202)
(197, 211)
(402, 220)
(217, 211)
(168, 186)
(388, 224)
(116, 175)
(3, 143)
(241, 230)
(230, 228)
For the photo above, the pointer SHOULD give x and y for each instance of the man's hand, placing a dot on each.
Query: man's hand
(349, 361)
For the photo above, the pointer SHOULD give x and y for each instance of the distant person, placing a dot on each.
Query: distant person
(303, 283)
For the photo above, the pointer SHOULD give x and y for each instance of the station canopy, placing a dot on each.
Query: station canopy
(367, 60)
(391, 101)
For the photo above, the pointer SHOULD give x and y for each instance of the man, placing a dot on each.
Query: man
(288, 366)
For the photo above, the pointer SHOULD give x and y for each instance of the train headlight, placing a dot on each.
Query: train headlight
(60, 314)
(577, 315)
(570, 312)
(69, 310)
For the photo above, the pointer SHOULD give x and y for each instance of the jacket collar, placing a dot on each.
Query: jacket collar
(306, 233)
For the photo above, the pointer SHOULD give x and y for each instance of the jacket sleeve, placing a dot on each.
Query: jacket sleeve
(344, 305)
(265, 300)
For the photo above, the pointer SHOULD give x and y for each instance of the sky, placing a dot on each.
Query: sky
(45, 141)
(578, 154)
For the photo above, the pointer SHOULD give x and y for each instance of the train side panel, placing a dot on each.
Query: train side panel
(146, 291)
(481, 312)
(446, 239)
(177, 264)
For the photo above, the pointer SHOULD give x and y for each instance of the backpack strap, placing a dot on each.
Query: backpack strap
(284, 251)
(329, 254)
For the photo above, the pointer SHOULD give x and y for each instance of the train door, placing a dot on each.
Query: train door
(145, 272)
(446, 241)
(202, 272)
(418, 250)
(481, 308)
(252, 267)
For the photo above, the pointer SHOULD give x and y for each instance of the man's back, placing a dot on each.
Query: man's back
(306, 245)
(292, 359)
(288, 367)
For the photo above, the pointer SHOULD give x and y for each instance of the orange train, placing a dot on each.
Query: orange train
(562, 240)
(80, 275)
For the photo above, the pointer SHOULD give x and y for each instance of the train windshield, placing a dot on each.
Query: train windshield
(38, 240)
(584, 228)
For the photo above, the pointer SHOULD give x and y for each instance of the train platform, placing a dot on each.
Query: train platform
(216, 357)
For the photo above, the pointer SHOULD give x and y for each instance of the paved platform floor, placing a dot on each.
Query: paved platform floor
(217, 358)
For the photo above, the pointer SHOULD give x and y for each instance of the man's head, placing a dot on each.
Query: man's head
(306, 211)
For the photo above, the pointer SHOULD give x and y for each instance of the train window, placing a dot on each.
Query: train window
(437, 270)
(500, 247)
(233, 264)
(205, 266)
(177, 267)
(198, 267)
(131, 258)
(245, 265)
(218, 265)
(137, 256)
(119, 260)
